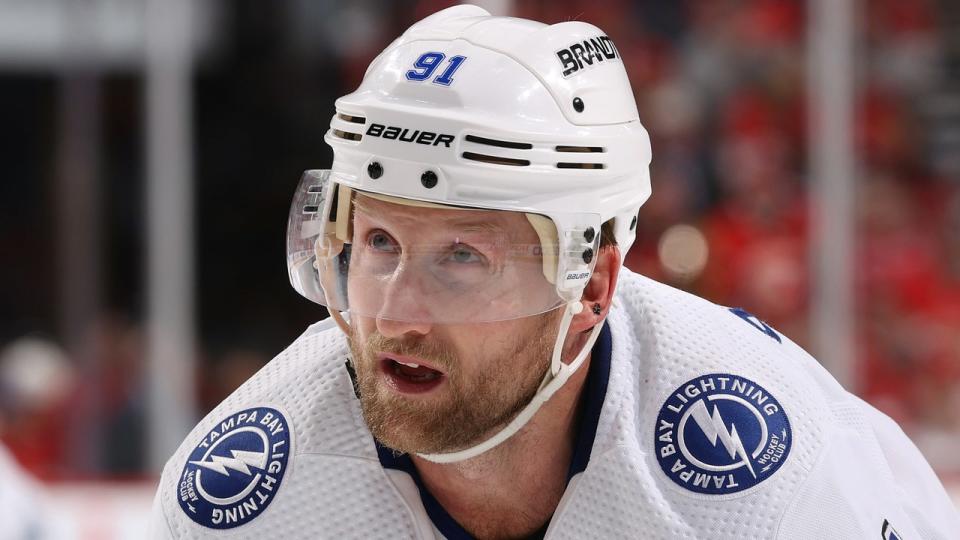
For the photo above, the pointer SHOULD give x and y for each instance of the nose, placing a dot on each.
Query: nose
(404, 310)
(398, 329)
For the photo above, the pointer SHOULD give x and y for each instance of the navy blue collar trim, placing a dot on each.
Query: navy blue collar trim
(594, 394)
(440, 518)
(595, 391)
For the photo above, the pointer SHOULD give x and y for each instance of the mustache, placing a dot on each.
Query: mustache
(437, 354)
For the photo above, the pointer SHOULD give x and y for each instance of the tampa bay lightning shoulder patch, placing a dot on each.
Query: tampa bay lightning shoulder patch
(234, 472)
(719, 434)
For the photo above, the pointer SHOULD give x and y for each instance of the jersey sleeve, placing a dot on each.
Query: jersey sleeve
(157, 527)
(922, 494)
(870, 482)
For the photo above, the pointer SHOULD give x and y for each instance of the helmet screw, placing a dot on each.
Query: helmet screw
(375, 170)
(633, 223)
(588, 255)
(589, 234)
(428, 179)
(578, 104)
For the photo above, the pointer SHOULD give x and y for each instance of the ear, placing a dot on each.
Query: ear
(599, 290)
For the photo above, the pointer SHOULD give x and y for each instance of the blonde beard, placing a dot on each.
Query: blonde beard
(471, 410)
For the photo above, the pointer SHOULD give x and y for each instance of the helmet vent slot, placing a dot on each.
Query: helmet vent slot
(496, 160)
(347, 135)
(352, 119)
(580, 166)
(580, 149)
(498, 143)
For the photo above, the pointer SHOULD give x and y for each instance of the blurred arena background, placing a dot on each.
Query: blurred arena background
(806, 167)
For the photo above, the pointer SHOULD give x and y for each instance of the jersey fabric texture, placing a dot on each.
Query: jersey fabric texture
(699, 421)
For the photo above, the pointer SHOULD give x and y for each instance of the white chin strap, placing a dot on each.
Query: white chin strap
(553, 380)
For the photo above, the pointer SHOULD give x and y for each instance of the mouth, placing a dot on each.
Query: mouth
(409, 375)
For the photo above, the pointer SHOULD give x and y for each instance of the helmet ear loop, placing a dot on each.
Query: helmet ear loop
(556, 361)
(341, 322)
(325, 274)
(337, 232)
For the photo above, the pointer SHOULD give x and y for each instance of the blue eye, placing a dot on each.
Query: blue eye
(465, 255)
(381, 241)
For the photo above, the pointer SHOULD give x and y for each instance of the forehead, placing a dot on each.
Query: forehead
(440, 220)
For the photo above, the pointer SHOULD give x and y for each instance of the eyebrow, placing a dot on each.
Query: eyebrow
(477, 226)
(361, 204)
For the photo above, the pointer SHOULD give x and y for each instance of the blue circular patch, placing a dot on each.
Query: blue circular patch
(234, 473)
(719, 434)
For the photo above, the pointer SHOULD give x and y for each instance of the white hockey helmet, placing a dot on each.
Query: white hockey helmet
(470, 111)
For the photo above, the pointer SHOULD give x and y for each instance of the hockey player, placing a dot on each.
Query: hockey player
(491, 370)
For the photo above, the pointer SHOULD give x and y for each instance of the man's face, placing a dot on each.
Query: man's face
(425, 385)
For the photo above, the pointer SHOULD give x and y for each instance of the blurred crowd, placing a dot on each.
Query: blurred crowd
(722, 92)
(721, 88)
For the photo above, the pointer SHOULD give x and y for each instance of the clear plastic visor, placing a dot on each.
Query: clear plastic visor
(404, 260)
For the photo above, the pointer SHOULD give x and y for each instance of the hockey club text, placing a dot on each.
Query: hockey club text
(585, 53)
(428, 138)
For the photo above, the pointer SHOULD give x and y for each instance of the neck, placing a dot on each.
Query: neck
(513, 489)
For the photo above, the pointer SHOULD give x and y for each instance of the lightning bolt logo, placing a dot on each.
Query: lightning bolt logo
(715, 428)
(241, 461)
(746, 435)
(235, 469)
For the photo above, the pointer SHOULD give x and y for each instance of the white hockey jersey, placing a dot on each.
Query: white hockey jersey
(699, 421)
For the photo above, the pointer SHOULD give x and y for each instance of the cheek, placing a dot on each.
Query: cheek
(359, 296)
(480, 346)
(361, 328)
